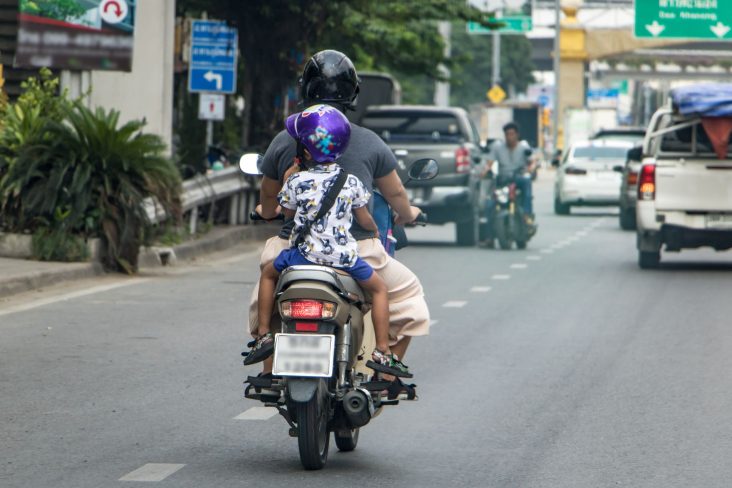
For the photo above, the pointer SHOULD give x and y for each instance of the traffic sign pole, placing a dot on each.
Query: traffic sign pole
(496, 58)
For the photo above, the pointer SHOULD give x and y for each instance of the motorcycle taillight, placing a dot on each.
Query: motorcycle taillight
(308, 309)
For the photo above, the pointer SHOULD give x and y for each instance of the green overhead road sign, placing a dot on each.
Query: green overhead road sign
(683, 19)
(513, 25)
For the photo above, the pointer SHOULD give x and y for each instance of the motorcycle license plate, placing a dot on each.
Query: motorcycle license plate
(304, 355)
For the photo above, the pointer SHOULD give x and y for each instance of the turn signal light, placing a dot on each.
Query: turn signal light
(647, 182)
(308, 309)
(632, 178)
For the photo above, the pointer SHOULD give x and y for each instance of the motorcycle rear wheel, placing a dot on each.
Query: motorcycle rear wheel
(501, 232)
(348, 442)
(313, 438)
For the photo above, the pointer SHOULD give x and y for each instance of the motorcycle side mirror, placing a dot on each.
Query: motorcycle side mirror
(424, 169)
(618, 169)
(249, 164)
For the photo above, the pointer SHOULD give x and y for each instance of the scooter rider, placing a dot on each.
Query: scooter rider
(329, 77)
(514, 157)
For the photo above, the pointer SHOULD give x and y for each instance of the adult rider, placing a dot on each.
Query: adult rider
(515, 160)
(329, 77)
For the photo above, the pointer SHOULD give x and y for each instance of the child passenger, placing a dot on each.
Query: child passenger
(324, 132)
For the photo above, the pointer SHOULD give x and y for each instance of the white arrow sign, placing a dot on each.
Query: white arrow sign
(655, 28)
(211, 76)
(720, 30)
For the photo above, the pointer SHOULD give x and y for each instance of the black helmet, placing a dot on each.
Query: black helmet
(329, 77)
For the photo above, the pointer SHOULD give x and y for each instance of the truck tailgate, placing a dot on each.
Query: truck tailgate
(694, 185)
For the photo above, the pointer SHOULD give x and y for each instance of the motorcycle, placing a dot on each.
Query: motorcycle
(320, 382)
(508, 220)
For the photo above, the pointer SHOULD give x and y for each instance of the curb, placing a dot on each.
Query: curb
(40, 279)
(218, 239)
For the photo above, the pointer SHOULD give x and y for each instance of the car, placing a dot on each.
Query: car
(632, 134)
(447, 135)
(587, 175)
(684, 197)
(629, 189)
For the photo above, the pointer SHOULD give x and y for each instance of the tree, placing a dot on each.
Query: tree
(276, 38)
(473, 65)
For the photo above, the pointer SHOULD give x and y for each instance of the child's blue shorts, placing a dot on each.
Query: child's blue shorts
(360, 271)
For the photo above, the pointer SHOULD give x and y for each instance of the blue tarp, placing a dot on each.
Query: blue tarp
(706, 100)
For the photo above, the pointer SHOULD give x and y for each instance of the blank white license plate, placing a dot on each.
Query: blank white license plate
(304, 355)
(719, 221)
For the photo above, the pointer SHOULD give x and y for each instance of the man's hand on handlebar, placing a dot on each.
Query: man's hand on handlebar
(415, 213)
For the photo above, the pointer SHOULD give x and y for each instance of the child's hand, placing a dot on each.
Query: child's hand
(295, 168)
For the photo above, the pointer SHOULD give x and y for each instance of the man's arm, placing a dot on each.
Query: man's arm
(365, 220)
(268, 207)
(393, 191)
(487, 169)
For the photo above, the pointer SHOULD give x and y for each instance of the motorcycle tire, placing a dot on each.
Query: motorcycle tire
(313, 438)
(465, 233)
(347, 442)
(501, 232)
(521, 244)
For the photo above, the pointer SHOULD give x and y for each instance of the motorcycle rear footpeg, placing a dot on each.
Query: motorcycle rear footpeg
(259, 382)
(265, 398)
(375, 385)
(387, 370)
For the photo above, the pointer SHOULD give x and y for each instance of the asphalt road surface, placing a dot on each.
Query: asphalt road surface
(560, 366)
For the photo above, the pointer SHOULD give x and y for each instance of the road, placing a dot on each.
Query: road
(560, 366)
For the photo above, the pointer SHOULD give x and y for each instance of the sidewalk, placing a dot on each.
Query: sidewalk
(20, 275)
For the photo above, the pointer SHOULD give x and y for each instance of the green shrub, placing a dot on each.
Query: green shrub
(99, 173)
(58, 245)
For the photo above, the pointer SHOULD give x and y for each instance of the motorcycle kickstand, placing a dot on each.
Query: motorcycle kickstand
(286, 415)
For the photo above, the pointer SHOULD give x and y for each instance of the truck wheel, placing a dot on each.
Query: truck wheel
(627, 218)
(649, 259)
(561, 208)
(465, 233)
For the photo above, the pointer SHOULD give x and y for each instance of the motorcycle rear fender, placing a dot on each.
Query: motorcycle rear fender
(301, 390)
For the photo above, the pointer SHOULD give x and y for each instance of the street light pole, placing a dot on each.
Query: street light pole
(555, 108)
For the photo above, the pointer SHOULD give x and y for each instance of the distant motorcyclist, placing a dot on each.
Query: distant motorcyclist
(515, 160)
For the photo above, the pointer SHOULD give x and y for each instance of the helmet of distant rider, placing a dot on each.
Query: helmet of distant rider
(323, 130)
(329, 77)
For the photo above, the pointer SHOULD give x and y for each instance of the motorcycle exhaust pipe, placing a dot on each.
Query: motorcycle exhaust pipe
(358, 408)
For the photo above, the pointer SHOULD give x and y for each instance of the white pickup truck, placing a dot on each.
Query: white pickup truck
(685, 181)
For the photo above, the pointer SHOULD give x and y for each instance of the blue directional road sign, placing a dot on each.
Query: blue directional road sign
(213, 57)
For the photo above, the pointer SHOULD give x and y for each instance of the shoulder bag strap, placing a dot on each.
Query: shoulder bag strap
(326, 204)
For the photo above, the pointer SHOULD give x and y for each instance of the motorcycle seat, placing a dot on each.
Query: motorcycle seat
(339, 280)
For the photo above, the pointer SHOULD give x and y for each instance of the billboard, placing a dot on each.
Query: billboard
(76, 34)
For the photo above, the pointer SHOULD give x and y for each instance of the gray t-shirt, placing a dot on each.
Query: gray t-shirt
(510, 160)
(367, 157)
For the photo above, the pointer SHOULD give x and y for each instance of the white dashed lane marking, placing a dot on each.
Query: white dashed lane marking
(257, 413)
(547, 251)
(455, 304)
(519, 266)
(480, 289)
(533, 258)
(434, 322)
(152, 472)
(501, 277)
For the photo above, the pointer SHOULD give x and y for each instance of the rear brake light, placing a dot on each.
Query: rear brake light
(647, 182)
(308, 309)
(306, 327)
(632, 178)
(462, 160)
(571, 170)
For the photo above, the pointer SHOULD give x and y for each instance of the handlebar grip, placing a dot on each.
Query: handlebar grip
(421, 219)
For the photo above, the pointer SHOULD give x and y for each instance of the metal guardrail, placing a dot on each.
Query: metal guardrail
(208, 190)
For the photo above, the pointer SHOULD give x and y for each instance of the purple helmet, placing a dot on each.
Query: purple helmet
(323, 130)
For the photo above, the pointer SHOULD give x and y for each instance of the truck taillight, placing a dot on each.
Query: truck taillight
(462, 160)
(647, 182)
(308, 309)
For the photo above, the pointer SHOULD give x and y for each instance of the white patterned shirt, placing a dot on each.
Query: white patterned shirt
(329, 241)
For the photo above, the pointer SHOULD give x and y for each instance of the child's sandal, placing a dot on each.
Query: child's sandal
(262, 348)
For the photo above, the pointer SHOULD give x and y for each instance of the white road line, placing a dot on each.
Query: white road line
(533, 258)
(480, 289)
(152, 472)
(71, 296)
(519, 266)
(455, 304)
(582, 233)
(547, 251)
(501, 277)
(434, 322)
(257, 413)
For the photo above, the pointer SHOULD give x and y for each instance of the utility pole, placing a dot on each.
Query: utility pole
(555, 108)
(442, 88)
(496, 57)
